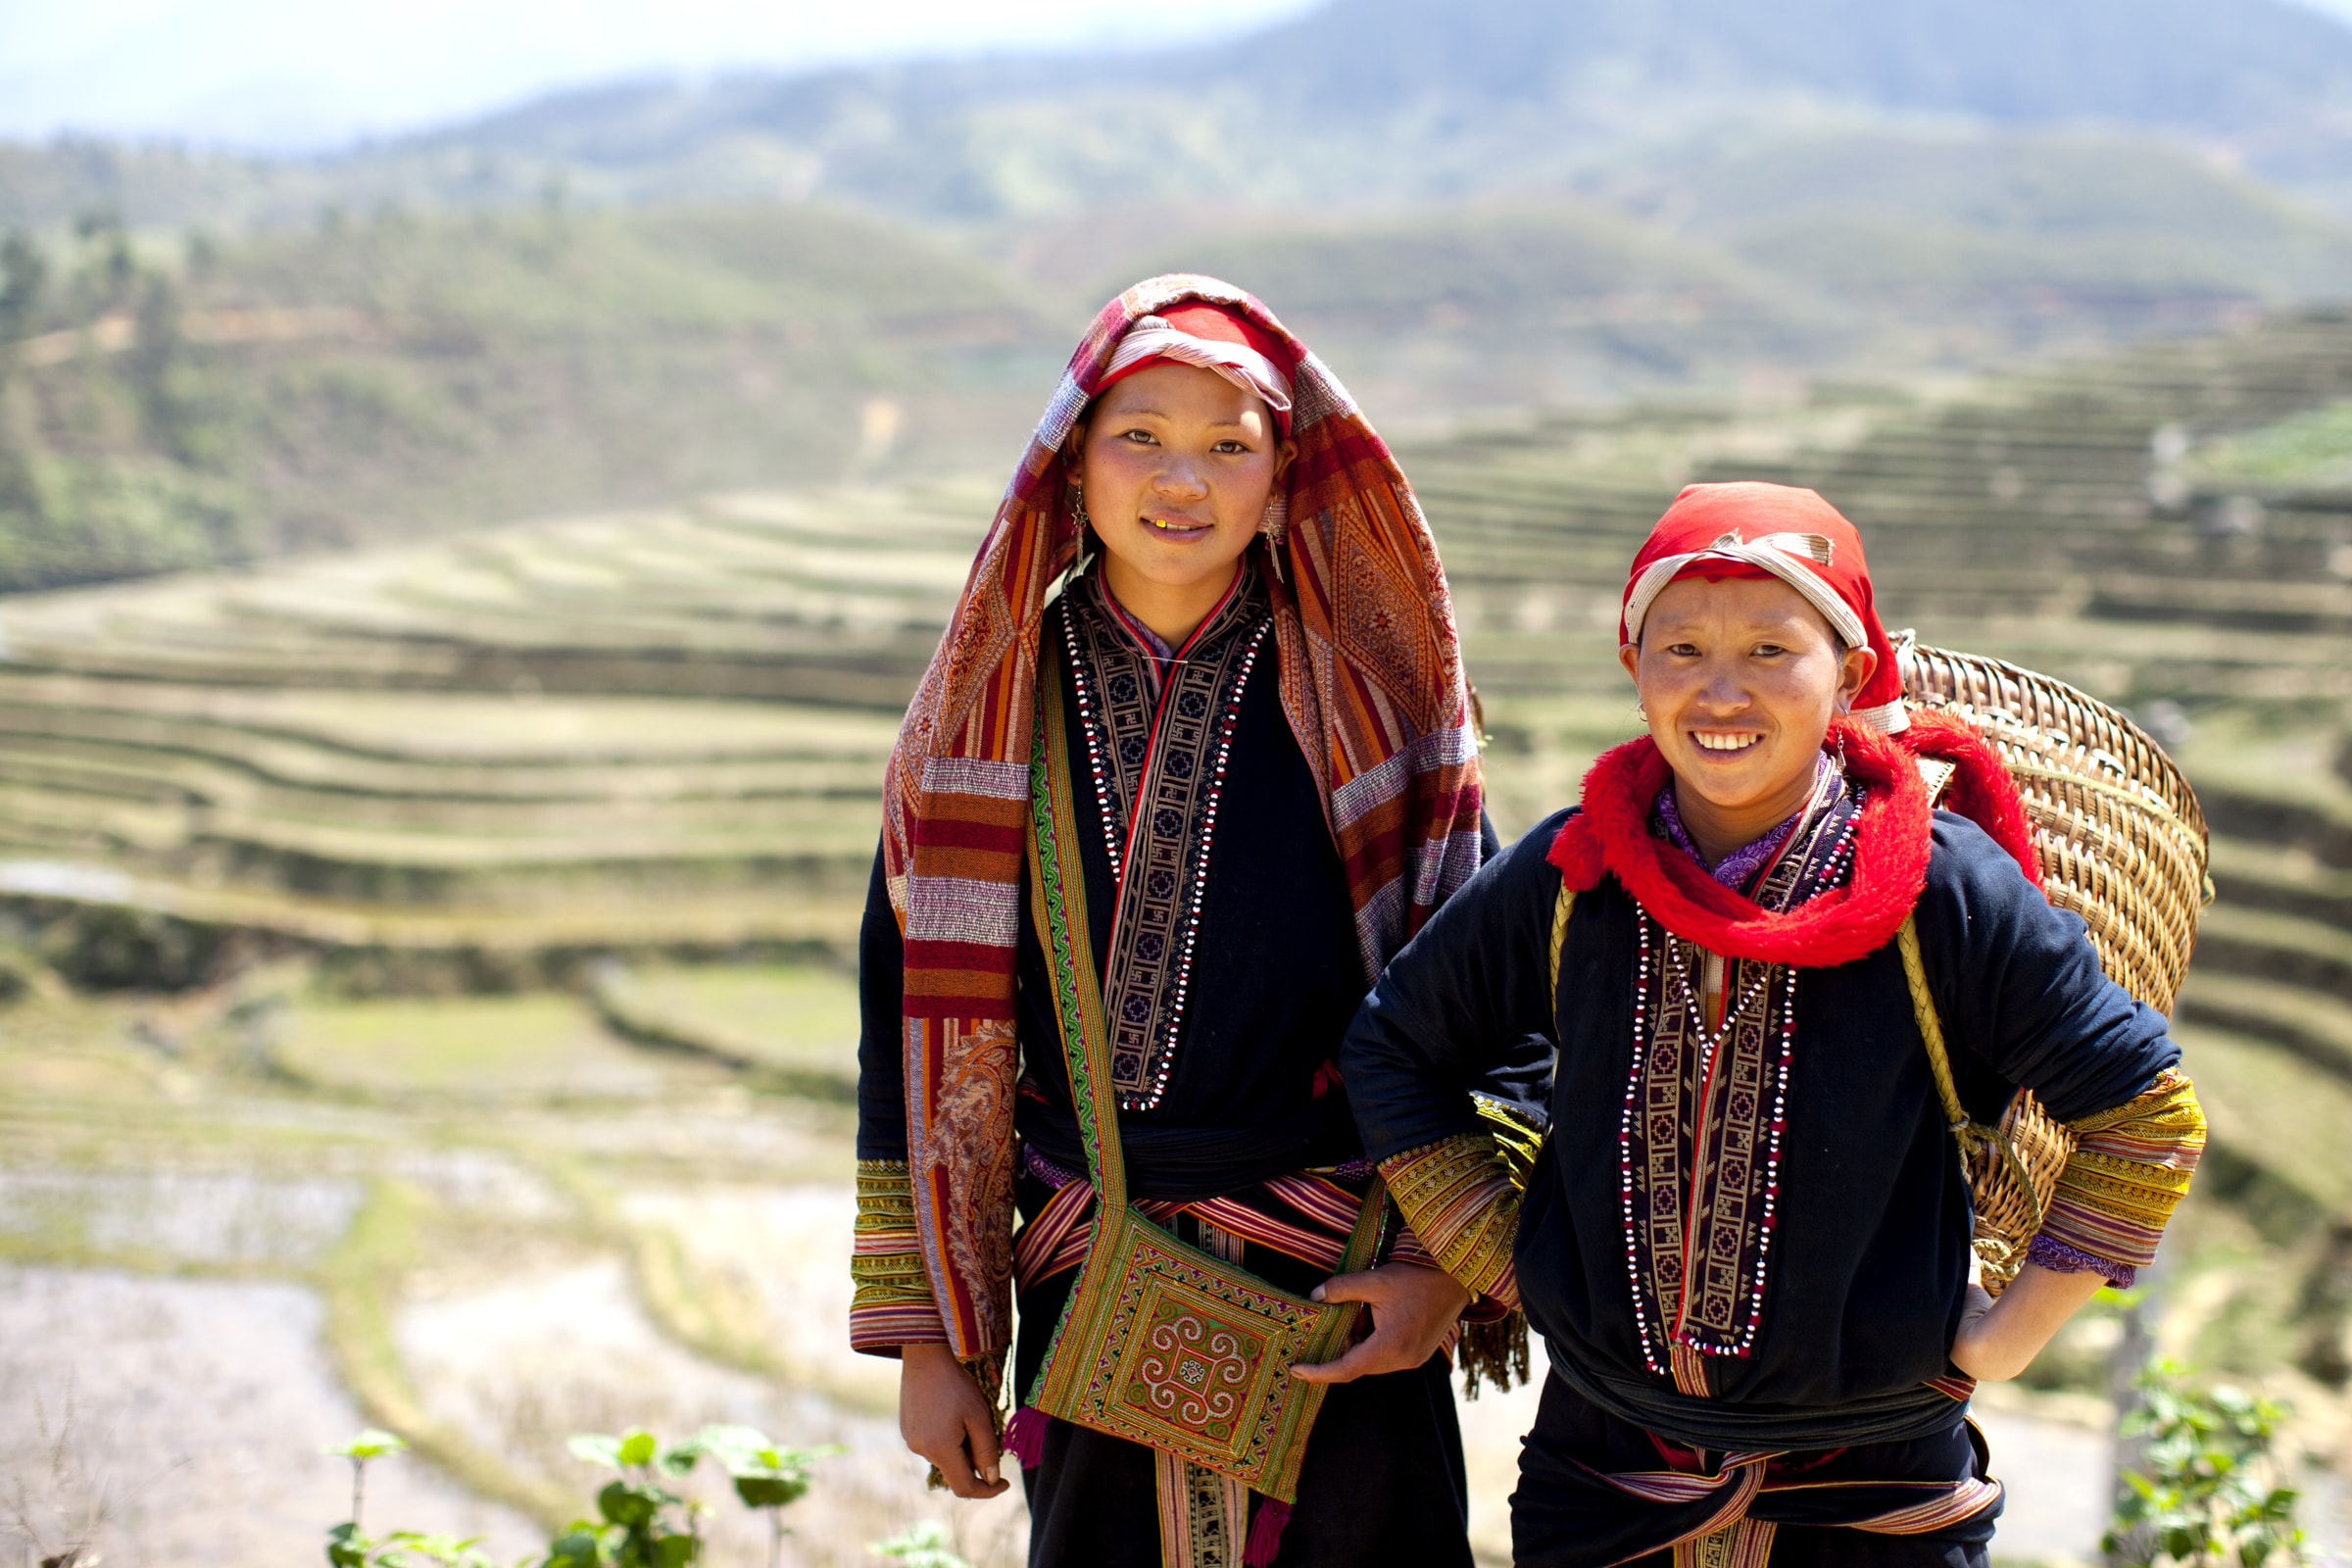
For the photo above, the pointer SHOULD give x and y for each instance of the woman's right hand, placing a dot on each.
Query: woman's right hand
(942, 1417)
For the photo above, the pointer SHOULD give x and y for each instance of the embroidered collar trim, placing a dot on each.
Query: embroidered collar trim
(1157, 750)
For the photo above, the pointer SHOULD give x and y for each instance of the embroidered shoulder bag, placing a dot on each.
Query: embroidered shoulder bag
(1161, 1343)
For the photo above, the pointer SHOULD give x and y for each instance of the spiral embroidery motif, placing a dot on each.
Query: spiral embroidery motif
(1193, 1372)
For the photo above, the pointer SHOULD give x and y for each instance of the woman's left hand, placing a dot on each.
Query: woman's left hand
(1998, 1340)
(1412, 1307)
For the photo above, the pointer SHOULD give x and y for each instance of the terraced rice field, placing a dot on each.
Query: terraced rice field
(663, 731)
(628, 733)
(232, 1230)
(485, 909)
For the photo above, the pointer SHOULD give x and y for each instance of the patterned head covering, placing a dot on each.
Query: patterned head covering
(1215, 337)
(1371, 680)
(1751, 530)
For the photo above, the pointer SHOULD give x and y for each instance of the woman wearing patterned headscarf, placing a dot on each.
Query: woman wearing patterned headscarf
(1193, 759)
(1747, 1243)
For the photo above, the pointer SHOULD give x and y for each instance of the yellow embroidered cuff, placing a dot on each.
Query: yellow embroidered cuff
(2131, 1168)
(1458, 1196)
(893, 1304)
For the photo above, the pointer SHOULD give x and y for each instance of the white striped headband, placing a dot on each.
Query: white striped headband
(1789, 557)
(1153, 338)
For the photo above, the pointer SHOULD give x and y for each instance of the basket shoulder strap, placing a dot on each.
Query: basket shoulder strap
(1560, 910)
(1931, 1027)
(1978, 1142)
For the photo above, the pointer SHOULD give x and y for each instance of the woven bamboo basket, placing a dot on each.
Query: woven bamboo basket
(2122, 844)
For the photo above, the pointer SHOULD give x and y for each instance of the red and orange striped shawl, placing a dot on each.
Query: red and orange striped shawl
(1372, 681)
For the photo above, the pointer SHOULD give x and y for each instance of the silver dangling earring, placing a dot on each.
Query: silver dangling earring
(1083, 531)
(1276, 517)
(1272, 524)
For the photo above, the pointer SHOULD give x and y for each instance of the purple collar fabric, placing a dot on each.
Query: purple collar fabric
(1153, 642)
(1738, 868)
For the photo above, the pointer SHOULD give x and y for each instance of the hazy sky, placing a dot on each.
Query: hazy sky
(289, 72)
(305, 70)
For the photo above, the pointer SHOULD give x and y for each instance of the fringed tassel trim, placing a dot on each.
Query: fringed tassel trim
(1493, 1351)
(987, 1372)
(1025, 1436)
(1266, 1524)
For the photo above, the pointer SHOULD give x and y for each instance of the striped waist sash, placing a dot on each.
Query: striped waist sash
(1304, 1214)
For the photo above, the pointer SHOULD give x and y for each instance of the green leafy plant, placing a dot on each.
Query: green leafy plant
(766, 1477)
(347, 1546)
(2207, 1498)
(924, 1544)
(639, 1523)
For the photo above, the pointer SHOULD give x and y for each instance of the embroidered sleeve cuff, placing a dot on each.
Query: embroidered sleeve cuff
(2128, 1173)
(1483, 1308)
(893, 1304)
(1458, 1198)
(2060, 1259)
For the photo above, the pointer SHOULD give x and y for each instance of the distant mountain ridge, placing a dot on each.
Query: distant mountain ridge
(1359, 102)
(1412, 99)
(2172, 62)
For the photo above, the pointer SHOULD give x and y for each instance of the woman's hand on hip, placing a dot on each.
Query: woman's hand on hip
(1413, 1310)
(1998, 1340)
(944, 1418)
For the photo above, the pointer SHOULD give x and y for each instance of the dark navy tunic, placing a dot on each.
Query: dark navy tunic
(1866, 1278)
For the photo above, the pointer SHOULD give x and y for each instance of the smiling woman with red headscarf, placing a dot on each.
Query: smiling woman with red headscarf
(1192, 761)
(1747, 1244)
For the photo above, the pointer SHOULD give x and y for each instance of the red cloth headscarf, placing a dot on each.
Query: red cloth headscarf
(1751, 530)
(1214, 337)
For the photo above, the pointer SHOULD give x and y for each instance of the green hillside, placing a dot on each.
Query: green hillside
(374, 376)
(48, 185)
(177, 400)
(1976, 243)
(630, 294)
(1512, 304)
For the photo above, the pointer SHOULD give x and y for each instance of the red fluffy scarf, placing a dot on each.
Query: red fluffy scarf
(1611, 836)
